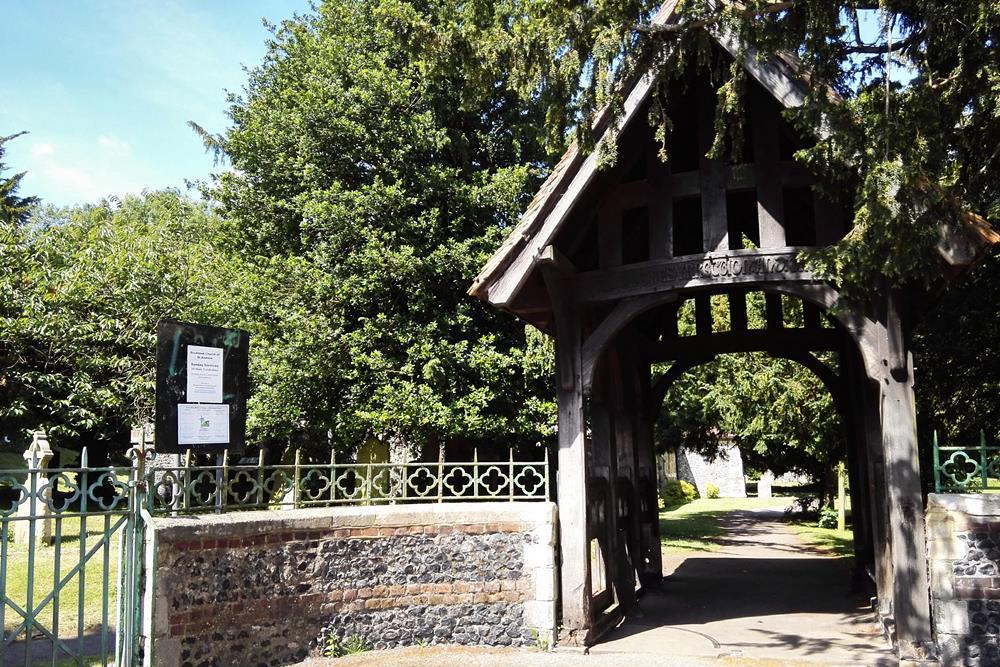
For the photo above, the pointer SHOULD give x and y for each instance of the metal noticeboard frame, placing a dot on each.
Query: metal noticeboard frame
(210, 365)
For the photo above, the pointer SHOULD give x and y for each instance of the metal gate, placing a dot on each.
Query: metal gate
(70, 550)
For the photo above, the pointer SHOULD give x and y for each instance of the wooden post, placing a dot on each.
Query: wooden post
(650, 557)
(572, 465)
(911, 601)
(770, 200)
(711, 178)
(872, 431)
(661, 206)
(841, 498)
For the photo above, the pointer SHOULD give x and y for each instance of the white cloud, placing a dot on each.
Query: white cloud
(71, 178)
(114, 145)
(42, 149)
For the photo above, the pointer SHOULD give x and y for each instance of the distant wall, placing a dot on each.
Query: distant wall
(263, 588)
(726, 471)
(963, 549)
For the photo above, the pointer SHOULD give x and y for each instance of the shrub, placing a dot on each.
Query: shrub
(711, 490)
(677, 492)
(828, 518)
(333, 646)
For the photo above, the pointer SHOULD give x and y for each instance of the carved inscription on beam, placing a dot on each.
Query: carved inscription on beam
(710, 269)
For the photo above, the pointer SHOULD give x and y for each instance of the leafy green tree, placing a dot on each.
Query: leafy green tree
(776, 411)
(958, 361)
(13, 209)
(379, 156)
(89, 284)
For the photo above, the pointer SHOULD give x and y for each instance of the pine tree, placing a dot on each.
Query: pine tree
(13, 209)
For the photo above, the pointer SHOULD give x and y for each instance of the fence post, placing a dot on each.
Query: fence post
(440, 478)
(37, 456)
(510, 473)
(297, 488)
(333, 476)
(221, 479)
(260, 477)
(548, 477)
(937, 464)
(475, 472)
(982, 460)
(187, 480)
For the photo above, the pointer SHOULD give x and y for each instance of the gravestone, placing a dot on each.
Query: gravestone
(764, 484)
(37, 457)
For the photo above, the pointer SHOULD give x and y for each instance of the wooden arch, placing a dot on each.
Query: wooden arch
(599, 253)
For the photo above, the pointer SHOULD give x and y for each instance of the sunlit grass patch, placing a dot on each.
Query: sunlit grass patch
(691, 527)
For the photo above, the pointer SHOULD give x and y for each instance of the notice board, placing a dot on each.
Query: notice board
(202, 382)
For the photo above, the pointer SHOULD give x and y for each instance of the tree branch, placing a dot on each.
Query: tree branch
(880, 49)
(673, 28)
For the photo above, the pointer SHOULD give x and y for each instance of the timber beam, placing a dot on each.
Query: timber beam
(707, 270)
(781, 342)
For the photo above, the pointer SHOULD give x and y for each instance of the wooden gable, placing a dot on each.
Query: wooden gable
(643, 211)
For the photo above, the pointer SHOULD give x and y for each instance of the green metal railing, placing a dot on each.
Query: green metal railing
(62, 532)
(225, 487)
(966, 469)
(70, 582)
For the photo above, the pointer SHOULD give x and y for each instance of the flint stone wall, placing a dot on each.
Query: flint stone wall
(726, 471)
(268, 588)
(963, 549)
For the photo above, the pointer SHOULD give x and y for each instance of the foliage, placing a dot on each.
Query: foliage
(957, 354)
(87, 286)
(915, 134)
(676, 492)
(712, 491)
(827, 518)
(14, 209)
(333, 646)
(720, 403)
(379, 158)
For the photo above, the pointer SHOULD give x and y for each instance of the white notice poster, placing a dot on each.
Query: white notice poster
(204, 374)
(199, 424)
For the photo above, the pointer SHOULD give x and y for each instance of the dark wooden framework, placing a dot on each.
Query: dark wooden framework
(602, 261)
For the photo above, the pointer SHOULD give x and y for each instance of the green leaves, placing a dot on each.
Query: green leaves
(13, 209)
(383, 153)
(86, 286)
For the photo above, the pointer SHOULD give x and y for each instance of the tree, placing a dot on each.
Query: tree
(88, 285)
(910, 119)
(776, 411)
(13, 209)
(379, 156)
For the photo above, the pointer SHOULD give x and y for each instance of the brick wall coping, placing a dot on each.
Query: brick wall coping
(388, 516)
(976, 504)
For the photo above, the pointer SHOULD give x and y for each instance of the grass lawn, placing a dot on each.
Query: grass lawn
(833, 541)
(686, 528)
(44, 578)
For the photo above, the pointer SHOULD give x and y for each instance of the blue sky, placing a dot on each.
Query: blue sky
(106, 88)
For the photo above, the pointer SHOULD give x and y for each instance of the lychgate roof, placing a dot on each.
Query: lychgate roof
(508, 269)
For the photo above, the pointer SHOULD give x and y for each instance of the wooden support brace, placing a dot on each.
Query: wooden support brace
(712, 181)
(703, 314)
(738, 310)
(661, 206)
(773, 311)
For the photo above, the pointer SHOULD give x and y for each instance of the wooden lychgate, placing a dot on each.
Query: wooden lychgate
(605, 260)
